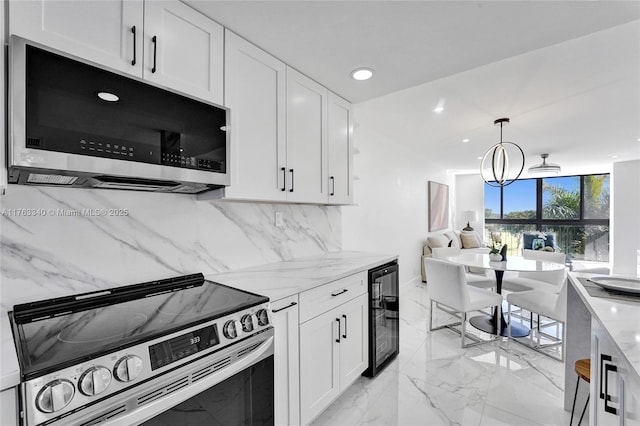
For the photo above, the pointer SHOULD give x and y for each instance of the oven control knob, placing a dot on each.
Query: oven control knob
(263, 317)
(128, 368)
(94, 381)
(232, 329)
(54, 396)
(249, 322)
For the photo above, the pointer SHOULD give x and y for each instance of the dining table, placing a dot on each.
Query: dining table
(488, 323)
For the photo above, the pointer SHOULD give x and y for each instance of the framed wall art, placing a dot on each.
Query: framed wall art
(438, 206)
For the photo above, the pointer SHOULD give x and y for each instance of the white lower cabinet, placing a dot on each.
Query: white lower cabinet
(333, 353)
(8, 407)
(615, 385)
(354, 356)
(286, 362)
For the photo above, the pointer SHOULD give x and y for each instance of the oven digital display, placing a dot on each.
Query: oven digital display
(172, 350)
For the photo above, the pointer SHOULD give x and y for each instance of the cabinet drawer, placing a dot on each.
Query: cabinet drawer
(325, 297)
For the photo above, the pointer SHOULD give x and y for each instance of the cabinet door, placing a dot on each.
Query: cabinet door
(614, 384)
(340, 150)
(183, 50)
(354, 338)
(286, 362)
(99, 31)
(255, 91)
(306, 139)
(8, 407)
(319, 369)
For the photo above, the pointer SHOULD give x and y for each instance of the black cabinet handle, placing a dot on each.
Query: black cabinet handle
(338, 339)
(291, 170)
(340, 292)
(286, 307)
(603, 358)
(333, 186)
(284, 179)
(345, 326)
(133, 31)
(154, 40)
(607, 397)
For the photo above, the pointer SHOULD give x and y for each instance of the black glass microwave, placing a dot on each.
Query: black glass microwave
(74, 124)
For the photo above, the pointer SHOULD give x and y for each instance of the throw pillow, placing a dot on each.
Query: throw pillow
(469, 240)
(437, 241)
(455, 241)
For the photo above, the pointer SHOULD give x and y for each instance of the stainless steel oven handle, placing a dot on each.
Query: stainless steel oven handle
(161, 405)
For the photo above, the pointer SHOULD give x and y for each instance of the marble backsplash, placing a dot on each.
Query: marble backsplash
(60, 241)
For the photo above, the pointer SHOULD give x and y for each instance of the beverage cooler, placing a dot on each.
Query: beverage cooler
(383, 317)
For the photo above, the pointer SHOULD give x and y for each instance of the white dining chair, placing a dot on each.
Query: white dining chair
(548, 280)
(448, 288)
(545, 303)
(485, 280)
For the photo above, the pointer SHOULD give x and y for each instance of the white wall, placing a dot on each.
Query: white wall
(469, 195)
(391, 194)
(625, 223)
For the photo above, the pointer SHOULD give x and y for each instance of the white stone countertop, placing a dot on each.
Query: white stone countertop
(274, 280)
(619, 318)
(284, 279)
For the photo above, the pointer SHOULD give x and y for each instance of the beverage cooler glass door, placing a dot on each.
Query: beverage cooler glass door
(384, 316)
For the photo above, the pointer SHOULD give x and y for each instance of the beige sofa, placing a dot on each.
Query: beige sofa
(466, 240)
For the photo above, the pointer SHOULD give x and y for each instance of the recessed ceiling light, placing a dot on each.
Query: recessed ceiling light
(362, 74)
(614, 156)
(465, 140)
(480, 158)
(108, 97)
(439, 106)
(638, 139)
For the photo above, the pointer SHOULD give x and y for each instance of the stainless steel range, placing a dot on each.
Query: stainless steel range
(176, 351)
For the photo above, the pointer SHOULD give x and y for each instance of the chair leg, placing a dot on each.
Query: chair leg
(575, 396)
(463, 328)
(431, 316)
(586, 404)
(499, 322)
(509, 324)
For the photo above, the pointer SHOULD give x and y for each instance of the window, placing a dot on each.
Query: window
(491, 202)
(520, 200)
(574, 208)
(561, 198)
(596, 197)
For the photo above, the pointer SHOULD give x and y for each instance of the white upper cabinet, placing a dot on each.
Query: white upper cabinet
(306, 174)
(291, 140)
(184, 50)
(166, 42)
(105, 32)
(255, 92)
(340, 149)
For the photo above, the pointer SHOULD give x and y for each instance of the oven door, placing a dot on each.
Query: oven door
(232, 386)
(245, 398)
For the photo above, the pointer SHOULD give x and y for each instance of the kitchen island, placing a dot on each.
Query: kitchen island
(607, 331)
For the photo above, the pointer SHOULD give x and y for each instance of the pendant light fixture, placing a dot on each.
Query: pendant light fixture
(500, 160)
(545, 167)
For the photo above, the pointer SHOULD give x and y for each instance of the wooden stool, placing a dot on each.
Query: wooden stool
(583, 370)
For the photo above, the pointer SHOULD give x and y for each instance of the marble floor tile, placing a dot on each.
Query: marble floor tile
(434, 381)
